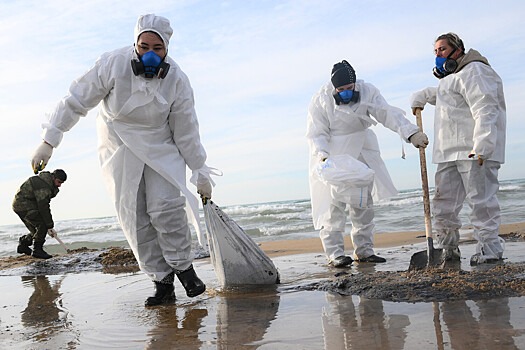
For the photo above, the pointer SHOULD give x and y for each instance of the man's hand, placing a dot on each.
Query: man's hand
(481, 158)
(419, 139)
(41, 157)
(414, 109)
(52, 232)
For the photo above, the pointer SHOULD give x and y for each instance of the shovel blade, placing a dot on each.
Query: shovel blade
(420, 260)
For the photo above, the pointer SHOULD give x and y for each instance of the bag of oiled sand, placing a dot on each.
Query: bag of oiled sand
(236, 258)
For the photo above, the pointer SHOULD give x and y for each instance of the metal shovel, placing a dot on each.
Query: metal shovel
(430, 257)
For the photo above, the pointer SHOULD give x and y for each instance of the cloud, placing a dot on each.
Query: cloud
(254, 67)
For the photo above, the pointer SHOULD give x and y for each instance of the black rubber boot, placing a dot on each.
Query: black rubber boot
(164, 292)
(23, 246)
(372, 259)
(341, 261)
(39, 252)
(191, 283)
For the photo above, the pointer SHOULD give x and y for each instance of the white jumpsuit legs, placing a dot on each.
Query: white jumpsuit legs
(362, 229)
(460, 180)
(163, 235)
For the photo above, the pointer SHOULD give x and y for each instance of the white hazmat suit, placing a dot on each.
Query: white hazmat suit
(345, 129)
(147, 134)
(469, 118)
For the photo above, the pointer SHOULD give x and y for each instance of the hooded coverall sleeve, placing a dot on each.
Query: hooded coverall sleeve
(185, 126)
(317, 128)
(391, 117)
(481, 94)
(420, 98)
(84, 94)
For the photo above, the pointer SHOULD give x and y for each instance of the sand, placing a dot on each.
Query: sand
(381, 240)
(90, 299)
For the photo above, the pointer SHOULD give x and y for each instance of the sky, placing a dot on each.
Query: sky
(254, 67)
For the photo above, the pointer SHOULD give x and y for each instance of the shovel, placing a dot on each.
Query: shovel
(54, 234)
(430, 257)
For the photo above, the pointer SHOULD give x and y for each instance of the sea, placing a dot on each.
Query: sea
(269, 221)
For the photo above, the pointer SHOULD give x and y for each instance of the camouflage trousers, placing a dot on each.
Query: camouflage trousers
(36, 226)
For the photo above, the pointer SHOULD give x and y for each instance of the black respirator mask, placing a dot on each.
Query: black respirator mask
(150, 64)
(445, 66)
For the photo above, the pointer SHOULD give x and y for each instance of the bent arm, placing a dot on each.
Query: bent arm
(391, 117)
(43, 197)
(481, 94)
(185, 126)
(420, 98)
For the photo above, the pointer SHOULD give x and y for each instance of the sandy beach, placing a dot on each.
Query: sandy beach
(94, 308)
(381, 240)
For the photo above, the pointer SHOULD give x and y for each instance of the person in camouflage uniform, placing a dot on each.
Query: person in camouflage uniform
(31, 204)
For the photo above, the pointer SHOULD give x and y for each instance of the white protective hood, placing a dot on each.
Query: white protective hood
(156, 24)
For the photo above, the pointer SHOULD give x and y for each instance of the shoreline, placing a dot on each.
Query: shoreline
(273, 249)
(381, 240)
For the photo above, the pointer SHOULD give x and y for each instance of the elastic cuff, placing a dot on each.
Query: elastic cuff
(51, 135)
(206, 172)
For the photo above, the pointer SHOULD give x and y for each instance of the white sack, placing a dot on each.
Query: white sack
(236, 258)
(348, 178)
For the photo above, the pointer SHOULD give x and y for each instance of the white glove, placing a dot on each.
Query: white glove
(204, 187)
(481, 158)
(41, 157)
(419, 139)
(52, 232)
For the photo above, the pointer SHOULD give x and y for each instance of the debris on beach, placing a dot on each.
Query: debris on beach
(110, 260)
(504, 280)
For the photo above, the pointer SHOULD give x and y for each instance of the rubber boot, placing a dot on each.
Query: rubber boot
(341, 261)
(191, 283)
(23, 246)
(39, 252)
(164, 292)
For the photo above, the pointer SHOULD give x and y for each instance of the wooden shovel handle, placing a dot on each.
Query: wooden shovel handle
(61, 243)
(424, 180)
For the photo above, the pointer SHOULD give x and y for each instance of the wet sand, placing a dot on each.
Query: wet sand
(95, 309)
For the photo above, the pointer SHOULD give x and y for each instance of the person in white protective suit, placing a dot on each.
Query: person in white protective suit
(147, 134)
(469, 147)
(339, 119)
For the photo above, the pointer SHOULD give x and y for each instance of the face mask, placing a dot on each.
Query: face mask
(439, 63)
(445, 66)
(346, 96)
(150, 64)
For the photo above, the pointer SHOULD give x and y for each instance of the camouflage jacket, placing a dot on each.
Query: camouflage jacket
(35, 194)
